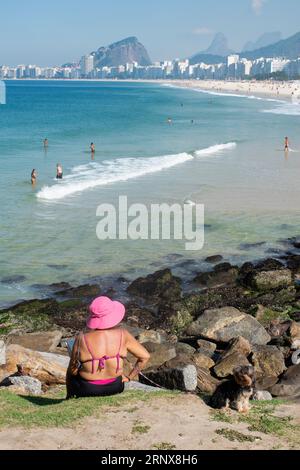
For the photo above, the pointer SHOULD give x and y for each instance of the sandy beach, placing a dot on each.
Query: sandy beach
(272, 89)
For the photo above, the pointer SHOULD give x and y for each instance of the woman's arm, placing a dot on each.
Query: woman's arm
(73, 367)
(137, 350)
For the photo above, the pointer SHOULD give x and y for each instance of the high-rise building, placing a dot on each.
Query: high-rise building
(87, 65)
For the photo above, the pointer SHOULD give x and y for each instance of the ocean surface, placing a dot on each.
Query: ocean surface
(224, 151)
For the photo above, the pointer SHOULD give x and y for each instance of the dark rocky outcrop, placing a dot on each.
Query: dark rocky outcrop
(123, 52)
(161, 285)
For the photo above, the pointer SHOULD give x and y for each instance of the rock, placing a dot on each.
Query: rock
(214, 259)
(86, 291)
(182, 378)
(157, 286)
(269, 264)
(45, 341)
(295, 330)
(2, 353)
(183, 348)
(206, 347)
(293, 263)
(240, 345)
(295, 316)
(139, 386)
(251, 246)
(139, 316)
(270, 280)
(227, 323)
(160, 353)
(60, 360)
(33, 315)
(203, 361)
(175, 317)
(223, 274)
(266, 315)
(150, 336)
(35, 364)
(13, 279)
(262, 395)
(227, 365)
(265, 383)
(289, 385)
(295, 345)
(268, 361)
(205, 382)
(180, 360)
(26, 385)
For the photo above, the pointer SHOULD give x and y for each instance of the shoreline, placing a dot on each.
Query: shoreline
(287, 90)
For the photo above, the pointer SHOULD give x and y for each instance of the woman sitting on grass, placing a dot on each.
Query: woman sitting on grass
(96, 365)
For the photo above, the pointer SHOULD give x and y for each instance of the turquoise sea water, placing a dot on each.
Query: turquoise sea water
(48, 233)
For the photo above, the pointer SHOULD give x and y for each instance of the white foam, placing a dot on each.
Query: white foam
(216, 149)
(288, 109)
(93, 174)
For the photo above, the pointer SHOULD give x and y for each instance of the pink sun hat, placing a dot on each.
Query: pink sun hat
(105, 313)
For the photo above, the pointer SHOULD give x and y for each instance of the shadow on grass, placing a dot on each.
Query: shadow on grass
(42, 401)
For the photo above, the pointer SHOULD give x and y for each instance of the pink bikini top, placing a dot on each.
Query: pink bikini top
(101, 360)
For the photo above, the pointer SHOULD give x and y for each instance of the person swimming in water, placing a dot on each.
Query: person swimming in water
(59, 171)
(286, 144)
(33, 177)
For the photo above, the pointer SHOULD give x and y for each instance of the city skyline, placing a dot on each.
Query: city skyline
(60, 32)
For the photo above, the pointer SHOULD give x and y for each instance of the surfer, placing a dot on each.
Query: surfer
(286, 144)
(59, 171)
(33, 177)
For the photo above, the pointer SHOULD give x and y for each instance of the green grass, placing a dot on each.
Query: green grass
(140, 428)
(234, 436)
(164, 446)
(262, 418)
(52, 410)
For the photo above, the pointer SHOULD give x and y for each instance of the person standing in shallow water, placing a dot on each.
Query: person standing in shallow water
(46, 143)
(33, 177)
(93, 150)
(286, 144)
(59, 171)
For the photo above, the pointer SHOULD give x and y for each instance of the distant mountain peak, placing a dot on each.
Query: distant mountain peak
(264, 40)
(125, 51)
(219, 46)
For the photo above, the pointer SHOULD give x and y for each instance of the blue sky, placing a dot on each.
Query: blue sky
(56, 31)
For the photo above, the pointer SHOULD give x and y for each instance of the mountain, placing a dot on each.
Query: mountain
(219, 46)
(122, 52)
(264, 40)
(288, 48)
(216, 52)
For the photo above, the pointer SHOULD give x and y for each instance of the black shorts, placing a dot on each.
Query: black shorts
(82, 388)
(59, 176)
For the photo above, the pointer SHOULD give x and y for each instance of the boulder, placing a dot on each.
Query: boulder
(2, 353)
(157, 286)
(271, 280)
(175, 317)
(265, 383)
(262, 395)
(227, 323)
(295, 330)
(87, 291)
(268, 361)
(150, 336)
(183, 348)
(182, 378)
(203, 361)
(206, 347)
(266, 315)
(44, 341)
(226, 366)
(160, 353)
(239, 345)
(205, 382)
(24, 385)
(223, 274)
(289, 385)
(34, 364)
(140, 317)
(179, 361)
(214, 259)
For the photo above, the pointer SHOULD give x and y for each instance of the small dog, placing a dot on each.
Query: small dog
(236, 393)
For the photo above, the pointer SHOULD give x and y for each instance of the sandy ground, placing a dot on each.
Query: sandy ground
(184, 422)
(289, 90)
